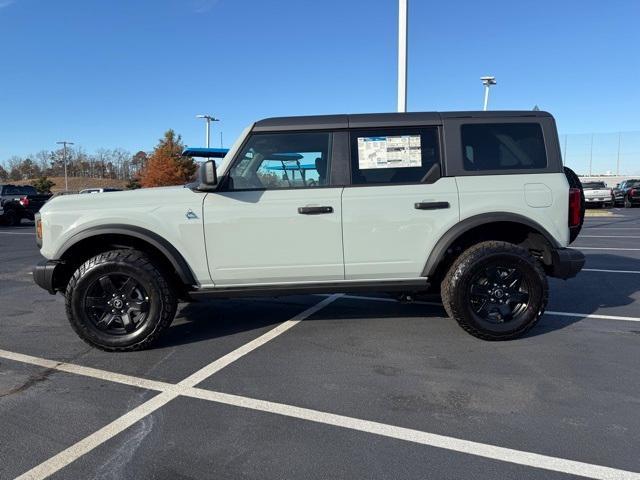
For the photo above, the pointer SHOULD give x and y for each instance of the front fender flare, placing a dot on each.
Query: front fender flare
(161, 244)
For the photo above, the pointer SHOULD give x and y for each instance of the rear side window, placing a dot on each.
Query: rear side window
(27, 191)
(391, 156)
(503, 146)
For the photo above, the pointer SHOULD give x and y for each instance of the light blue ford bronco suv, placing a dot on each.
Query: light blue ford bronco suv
(475, 205)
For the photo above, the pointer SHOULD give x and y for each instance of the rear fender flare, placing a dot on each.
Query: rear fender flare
(445, 242)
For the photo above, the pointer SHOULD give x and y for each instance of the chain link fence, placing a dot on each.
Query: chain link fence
(602, 154)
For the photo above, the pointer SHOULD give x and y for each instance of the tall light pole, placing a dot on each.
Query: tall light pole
(402, 55)
(64, 155)
(487, 82)
(618, 161)
(208, 119)
(591, 157)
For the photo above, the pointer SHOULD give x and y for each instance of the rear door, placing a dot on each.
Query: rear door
(398, 205)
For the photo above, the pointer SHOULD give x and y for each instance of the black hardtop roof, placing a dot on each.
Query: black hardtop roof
(368, 120)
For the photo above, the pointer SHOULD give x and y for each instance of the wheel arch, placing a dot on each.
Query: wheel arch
(94, 240)
(504, 226)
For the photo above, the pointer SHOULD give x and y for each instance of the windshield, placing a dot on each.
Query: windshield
(593, 185)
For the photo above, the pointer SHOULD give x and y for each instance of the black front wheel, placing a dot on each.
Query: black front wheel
(495, 291)
(120, 300)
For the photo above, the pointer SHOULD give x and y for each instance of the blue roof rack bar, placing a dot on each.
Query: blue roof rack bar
(205, 152)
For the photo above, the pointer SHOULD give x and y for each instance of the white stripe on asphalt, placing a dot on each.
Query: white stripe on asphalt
(468, 447)
(608, 271)
(17, 233)
(592, 315)
(219, 364)
(609, 236)
(117, 426)
(608, 248)
(171, 391)
(547, 312)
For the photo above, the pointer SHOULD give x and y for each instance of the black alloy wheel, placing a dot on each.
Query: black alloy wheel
(499, 294)
(116, 303)
(495, 290)
(120, 300)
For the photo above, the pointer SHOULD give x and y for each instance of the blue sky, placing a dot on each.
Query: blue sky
(118, 73)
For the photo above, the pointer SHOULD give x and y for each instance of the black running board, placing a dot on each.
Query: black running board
(279, 290)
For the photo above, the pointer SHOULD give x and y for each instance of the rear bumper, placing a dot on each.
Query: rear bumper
(43, 274)
(566, 262)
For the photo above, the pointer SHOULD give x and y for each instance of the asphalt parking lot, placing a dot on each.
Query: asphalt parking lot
(330, 386)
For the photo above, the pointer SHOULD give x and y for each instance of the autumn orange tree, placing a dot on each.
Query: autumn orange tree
(166, 165)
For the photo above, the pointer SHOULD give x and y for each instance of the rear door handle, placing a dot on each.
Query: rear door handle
(431, 205)
(314, 210)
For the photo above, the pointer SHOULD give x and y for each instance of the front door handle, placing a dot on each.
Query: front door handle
(431, 205)
(314, 210)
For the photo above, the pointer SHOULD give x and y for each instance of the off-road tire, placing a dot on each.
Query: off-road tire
(574, 182)
(456, 285)
(627, 202)
(11, 218)
(162, 300)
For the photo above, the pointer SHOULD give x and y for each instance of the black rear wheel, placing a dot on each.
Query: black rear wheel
(495, 291)
(627, 202)
(11, 218)
(120, 300)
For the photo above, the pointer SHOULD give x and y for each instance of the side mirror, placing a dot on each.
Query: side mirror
(207, 176)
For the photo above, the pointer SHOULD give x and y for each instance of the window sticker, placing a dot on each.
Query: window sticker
(400, 151)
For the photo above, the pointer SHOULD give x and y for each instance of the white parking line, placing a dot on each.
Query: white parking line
(97, 438)
(170, 391)
(592, 315)
(609, 236)
(608, 271)
(17, 233)
(547, 312)
(607, 248)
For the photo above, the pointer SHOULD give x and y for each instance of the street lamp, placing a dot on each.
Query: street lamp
(208, 119)
(487, 82)
(64, 155)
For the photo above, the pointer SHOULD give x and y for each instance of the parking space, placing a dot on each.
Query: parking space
(241, 443)
(354, 387)
(44, 411)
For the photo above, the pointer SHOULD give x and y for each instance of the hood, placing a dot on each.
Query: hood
(90, 201)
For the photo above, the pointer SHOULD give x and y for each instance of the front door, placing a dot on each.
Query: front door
(276, 219)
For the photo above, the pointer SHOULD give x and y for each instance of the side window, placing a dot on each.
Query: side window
(507, 146)
(393, 155)
(282, 160)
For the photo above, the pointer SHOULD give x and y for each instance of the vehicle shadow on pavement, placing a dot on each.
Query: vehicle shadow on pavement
(209, 319)
(591, 292)
(588, 293)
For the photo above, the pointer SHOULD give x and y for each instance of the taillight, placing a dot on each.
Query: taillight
(39, 229)
(574, 207)
(24, 201)
(632, 192)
